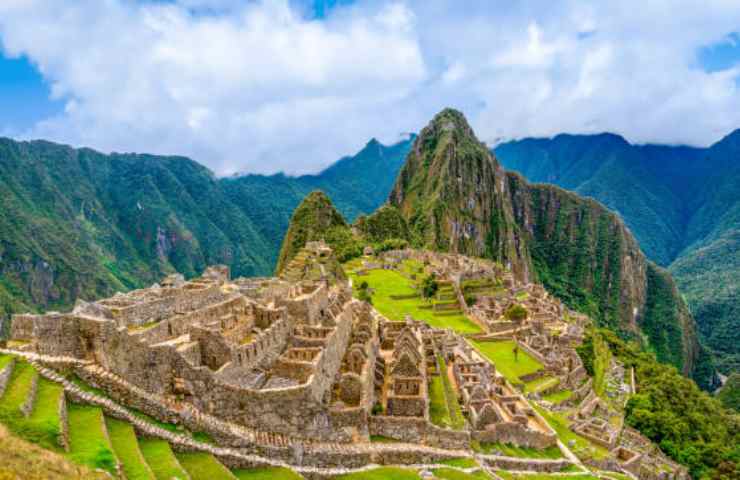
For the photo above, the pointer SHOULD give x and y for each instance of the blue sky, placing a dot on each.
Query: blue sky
(292, 85)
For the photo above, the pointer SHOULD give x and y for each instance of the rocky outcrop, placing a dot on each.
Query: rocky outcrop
(456, 197)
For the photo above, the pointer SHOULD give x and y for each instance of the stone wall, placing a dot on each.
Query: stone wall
(517, 434)
(418, 430)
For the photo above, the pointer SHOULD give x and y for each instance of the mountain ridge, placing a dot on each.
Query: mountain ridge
(682, 204)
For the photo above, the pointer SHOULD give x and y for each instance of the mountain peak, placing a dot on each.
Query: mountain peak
(449, 120)
(312, 220)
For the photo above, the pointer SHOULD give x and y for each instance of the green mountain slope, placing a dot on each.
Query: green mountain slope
(75, 223)
(456, 197)
(682, 204)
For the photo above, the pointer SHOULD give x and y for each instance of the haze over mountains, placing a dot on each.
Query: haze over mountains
(86, 224)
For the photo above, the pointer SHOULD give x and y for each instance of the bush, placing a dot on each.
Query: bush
(429, 286)
(516, 313)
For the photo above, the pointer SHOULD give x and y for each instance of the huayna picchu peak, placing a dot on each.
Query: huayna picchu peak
(456, 197)
(473, 326)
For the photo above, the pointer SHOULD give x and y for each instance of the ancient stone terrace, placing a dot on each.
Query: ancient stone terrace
(261, 360)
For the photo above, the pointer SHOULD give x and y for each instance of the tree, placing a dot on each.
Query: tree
(429, 286)
(516, 313)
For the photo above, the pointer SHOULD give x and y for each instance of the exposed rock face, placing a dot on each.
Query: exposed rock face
(456, 197)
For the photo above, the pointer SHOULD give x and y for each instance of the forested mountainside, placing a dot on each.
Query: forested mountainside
(77, 223)
(681, 203)
(456, 197)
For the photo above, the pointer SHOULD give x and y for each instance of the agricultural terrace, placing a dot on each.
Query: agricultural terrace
(395, 294)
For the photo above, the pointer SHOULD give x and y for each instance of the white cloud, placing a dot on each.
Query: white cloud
(260, 87)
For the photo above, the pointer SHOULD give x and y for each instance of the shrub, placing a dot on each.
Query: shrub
(516, 313)
(429, 286)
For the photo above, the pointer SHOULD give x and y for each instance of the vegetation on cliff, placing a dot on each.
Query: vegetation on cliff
(79, 224)
(316, 219)
(729, 394)
(455, 197)
(687, 423)
(447, 193)
(682, 204)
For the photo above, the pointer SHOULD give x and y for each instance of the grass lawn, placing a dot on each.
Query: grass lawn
(44, 424)
(450, 474)
(502, 356)
(453, 405)
(510, 450)
(88, 444)
(541, 383)
(126, 447)
(161, 460)
(558, 397)
(560, 424)
(268, 473)
(203, 466)
(384, 473)
(460, 462)
(438, 412)
(387, 283)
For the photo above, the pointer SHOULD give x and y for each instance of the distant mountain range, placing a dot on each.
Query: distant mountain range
(77, 223)
(682, 204)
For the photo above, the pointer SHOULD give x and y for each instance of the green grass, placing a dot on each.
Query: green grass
(44, 424)
(386, 283)
(4, 360)
(560, 424)
(17, 389)
(453, 405)
(558, 397)
(382, 439)
(88, 444)
(267, 473)
(161, 460)
(438, 412)
(450, 474)
(460, 462)
(502, 355)
(203, 466)
(541, 383)
(126, 447)
(384, 473)
(510, 450)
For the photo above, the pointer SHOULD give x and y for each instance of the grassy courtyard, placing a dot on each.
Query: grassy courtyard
(502, 355)
(394, 296)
